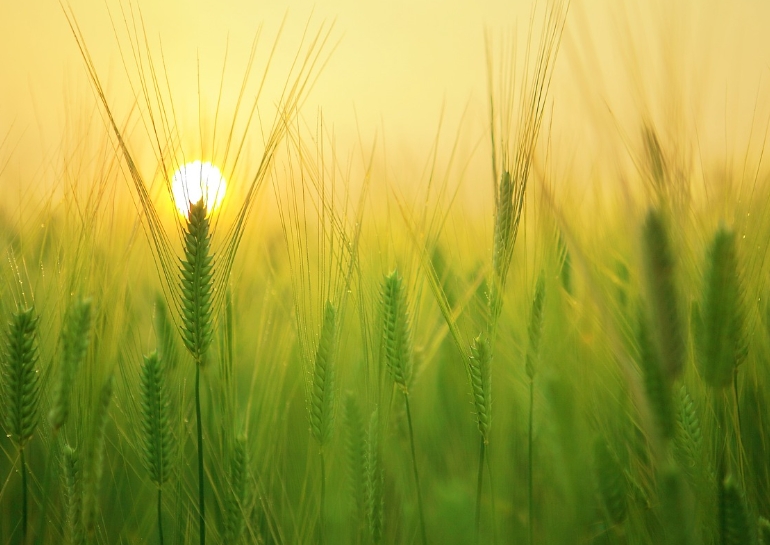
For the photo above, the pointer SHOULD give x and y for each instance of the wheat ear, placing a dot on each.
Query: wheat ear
(237, 499)
(71, 470)
(74, 341)
(94, 463)
(20, 390)
(157, 441)
(374, 480)
(197, 288)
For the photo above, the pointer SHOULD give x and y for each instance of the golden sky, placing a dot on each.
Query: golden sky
(703, 64)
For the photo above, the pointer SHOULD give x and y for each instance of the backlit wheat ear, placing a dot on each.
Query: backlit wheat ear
(20, 389)
(94, 463)
(71, 470)
(688, 441)
(355, 452)
(734, 526)
(322, 394)
(19, 382)
(197, 273)
(663, 297)
(74, 339)
(535, 327)
(157, 441)
(396, 329)
(481, 381)
(611, 481)
(719, 322)
(656, 385)
(237, 500)
(374, 480)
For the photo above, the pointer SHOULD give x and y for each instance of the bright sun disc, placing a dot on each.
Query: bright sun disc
(195, 181)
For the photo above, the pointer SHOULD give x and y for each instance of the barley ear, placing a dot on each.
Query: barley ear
(734, 527)
(659, 263)
(355, 452)
(94, 463)
(237, 500)
(656, 386)
(197, 274)
(156, 439)
(396, 329)
(322, 393)
(720, 321)
(688, 441)
(19, 379)
(374, 480)
(71, 471)
(535, 327)
(74, 340)
(481, 381)
(611, 481)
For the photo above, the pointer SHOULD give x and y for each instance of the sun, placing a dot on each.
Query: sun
(195, 181)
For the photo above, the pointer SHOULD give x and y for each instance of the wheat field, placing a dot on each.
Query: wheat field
(246, 325)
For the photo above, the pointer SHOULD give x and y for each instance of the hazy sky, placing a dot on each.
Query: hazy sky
(397, 62)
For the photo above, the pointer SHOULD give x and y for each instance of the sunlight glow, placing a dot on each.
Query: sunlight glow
(197, 180)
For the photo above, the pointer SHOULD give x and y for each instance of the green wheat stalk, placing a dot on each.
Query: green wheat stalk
(197, 287)
(355, 452)
(156, 439)
(20, 390)
(397, 342)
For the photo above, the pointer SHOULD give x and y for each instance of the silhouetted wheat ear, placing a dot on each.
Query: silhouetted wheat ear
(19, 380)
(481, 381)
(535, 326)
(656, 385)
(94, 464)
(237, 499)
(663, 296)
(396, 329)
(719, 321)
(734, 525)
(197, 273)
(322, 394)
(71, 472)
(74, 339)
(374, 480)
(688, 441)
(611, 482)
(355, 452)
(156, 440)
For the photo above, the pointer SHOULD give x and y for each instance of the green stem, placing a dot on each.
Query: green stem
(201, 499)
(23, 494)
(529, 464)
(479, 486)
(491, 496)
(160, 517)
(39, 535)
(416, 474)
(323, 496)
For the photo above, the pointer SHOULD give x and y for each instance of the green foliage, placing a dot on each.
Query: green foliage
(322, 388)
(74, 342)
(481, 381)
(719, 320)
(156, 439)
(197, 274)
(397, 333)
(19, 380)
(764, 531)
